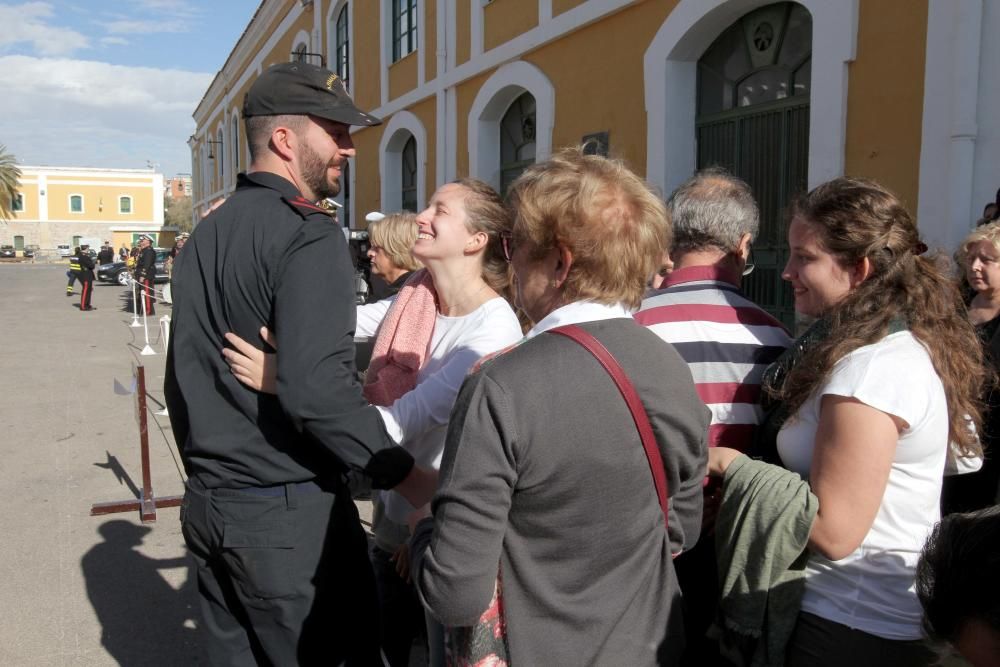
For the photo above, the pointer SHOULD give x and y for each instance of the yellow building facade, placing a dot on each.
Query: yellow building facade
(66, 205)
(786, 95)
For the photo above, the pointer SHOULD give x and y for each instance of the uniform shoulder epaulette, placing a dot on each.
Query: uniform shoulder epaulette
(305, 207)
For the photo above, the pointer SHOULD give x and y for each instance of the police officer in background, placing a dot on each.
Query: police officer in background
(74, 270)
(86, 277)
(145, 275)
(107, 254)
(280, 553)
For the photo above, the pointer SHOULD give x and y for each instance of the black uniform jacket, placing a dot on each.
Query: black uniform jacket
(145, 265)
(86, 267)
(269, 257)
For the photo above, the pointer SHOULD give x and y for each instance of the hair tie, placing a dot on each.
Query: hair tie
(920, 248)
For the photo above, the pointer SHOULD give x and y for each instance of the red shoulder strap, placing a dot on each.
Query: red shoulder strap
(631, 396)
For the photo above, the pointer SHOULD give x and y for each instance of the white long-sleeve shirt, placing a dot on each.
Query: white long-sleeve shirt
(419, 419)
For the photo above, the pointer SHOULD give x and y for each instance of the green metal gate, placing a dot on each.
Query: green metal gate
(753, 120)
(766, 145)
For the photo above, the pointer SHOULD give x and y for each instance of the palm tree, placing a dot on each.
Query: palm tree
(10, 178)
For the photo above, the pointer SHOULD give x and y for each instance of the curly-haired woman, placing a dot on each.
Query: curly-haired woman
(891, 375)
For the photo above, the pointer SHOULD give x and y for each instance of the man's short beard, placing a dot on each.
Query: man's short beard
(314, 175)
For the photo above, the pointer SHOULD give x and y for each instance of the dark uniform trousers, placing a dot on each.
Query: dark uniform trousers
(86, 289)
(144, 297)
(283, 574)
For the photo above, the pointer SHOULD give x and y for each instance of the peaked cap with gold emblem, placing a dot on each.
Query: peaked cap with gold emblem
(302, 88)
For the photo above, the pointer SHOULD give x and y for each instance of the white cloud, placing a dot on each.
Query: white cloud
(114, 41)
(132, 27)
(86, 113)
(26, 24)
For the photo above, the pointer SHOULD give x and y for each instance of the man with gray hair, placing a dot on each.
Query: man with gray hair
(725, 338)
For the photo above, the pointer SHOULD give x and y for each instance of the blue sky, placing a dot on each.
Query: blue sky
(104, 83)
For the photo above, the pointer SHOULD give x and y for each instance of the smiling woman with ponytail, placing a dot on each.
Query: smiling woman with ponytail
(874, 393)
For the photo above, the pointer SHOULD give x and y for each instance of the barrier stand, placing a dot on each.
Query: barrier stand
(135, 307)
(148, 350)
(147, 502)
(165, 337)
(165, 331)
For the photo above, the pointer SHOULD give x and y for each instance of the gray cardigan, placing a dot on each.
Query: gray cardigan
(544, 473)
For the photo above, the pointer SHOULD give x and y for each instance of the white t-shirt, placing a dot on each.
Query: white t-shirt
(872, 589)
(419, 419)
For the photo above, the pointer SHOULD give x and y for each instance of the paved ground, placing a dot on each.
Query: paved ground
(82, 590)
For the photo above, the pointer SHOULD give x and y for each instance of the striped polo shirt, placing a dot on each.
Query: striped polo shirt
(726, 340)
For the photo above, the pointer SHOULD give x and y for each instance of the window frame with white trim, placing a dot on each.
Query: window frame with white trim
(69, 201)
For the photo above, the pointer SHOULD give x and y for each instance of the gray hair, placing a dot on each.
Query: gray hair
(712, 209)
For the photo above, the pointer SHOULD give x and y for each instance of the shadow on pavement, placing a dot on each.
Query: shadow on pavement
(144, 620)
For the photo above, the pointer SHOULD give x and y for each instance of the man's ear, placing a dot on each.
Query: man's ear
(284, 143)
(744, 245)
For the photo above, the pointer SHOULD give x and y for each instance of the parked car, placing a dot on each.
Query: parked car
(118, 272)
(64, 250)
(7, 251)
(31, 250)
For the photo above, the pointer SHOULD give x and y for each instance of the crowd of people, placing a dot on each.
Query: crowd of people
(584, 443)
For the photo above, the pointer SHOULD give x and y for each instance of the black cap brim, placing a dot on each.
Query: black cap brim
(347, 116)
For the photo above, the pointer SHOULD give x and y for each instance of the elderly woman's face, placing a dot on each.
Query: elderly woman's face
(982, 266)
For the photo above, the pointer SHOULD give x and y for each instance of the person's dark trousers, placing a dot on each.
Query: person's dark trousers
(818, 642)
(69, 285)
(86, 290)
(283, 576)
(698, 579)
(401, 612)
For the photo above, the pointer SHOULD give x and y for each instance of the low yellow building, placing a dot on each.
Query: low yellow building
(785, 94)
(68, 205)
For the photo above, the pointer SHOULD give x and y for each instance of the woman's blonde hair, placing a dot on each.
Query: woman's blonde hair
(614, 225)
(857, 219)
(395, 234)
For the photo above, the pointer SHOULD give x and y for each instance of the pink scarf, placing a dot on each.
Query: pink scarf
(402, 341)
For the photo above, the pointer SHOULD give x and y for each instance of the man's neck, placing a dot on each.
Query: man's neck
(710, 257)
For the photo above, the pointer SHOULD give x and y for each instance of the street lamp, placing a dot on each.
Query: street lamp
(211, 153)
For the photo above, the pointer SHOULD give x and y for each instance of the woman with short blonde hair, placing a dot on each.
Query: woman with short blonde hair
(395, 235)
(615, 226)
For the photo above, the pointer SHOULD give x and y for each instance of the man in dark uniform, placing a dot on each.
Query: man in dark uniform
(74, 270)
(86, 277)
(145, 274)
(281, 557)
(107, 254)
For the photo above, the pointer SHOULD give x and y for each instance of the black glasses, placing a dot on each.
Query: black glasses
(507, 242)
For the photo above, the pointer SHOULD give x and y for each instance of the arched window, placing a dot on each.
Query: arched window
(220, 155)
(404, 28)
(234, 144)
(76, 203)
(753, 119)
(341, 47)
(763, 57)
(408, 176)
(299, 52)
(517, 139)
